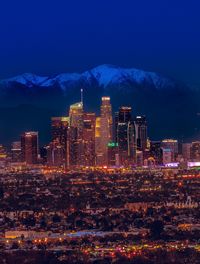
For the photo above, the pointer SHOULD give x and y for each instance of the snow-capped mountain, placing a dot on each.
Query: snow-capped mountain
(104, 75)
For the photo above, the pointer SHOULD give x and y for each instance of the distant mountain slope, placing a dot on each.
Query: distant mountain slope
(171, 107)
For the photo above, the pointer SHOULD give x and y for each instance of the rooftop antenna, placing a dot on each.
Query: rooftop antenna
(81, 96)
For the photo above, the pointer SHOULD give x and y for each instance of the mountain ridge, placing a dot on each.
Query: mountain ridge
(105, 74)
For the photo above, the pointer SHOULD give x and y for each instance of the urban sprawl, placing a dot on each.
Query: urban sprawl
(100, 192)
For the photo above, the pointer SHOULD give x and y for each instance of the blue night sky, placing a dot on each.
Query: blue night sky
(47, 37)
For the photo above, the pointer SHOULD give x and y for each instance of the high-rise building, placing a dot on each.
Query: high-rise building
(156, 152)
(55, 154)
(186, 151)
(171, 144)
(76, 116)
(125, 135)
(105, 127)
(103, 132)
(141, 132)
(76, 131)
(59, 127)
(29, 145)
(88, 154)
(195, 151)
(167, 155)
(113, 154)
(16, 152)
(59, 131)
(98, 152)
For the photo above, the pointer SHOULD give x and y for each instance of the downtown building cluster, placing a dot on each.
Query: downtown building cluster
(83, 139)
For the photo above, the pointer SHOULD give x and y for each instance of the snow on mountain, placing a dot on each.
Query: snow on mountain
(103, 74)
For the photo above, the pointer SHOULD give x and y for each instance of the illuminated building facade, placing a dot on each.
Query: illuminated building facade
(98, 151)
(3, 156)
(195, 151)
(76, 145)
(55, 154)
(171, 144)
(141, 132)
(156, 152)
(125, 135)
(113, 154)
(167, 155)
(16, 152)
(59, 134)
(88, 154)
(105, 127)
(29, 145)
(76, 117)
(186, 151)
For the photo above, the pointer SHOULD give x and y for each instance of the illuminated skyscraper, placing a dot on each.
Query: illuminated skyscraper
(59, 127)
(105, 127)
(29, 145)
(141, 132)
(88, 157)
(76, 145)
(156, 152)
(125, 135)
(76, 116)
(59, 131)
(98, 151)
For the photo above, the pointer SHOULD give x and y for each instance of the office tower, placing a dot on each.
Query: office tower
(98, 151)
(29, 145)
(76, 127)
(186, 151)
(141, 132)
(113, 154)
(59, 127)
(16, 152)
(55, 154)
(195, 151)
(171, 144)
(167, 155)
(59, 131)
(88, 154)
(139, 158)
(105, 127)
(125, 135)
(156, 152)
(76, 116)
(123, 116)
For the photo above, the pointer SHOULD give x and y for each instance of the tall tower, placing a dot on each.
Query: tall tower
(141, 132)
(125, 135)
(76, 132)
(88, 157)
(59, 136)
(29, 146)
(76, 115)
(105, 127)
